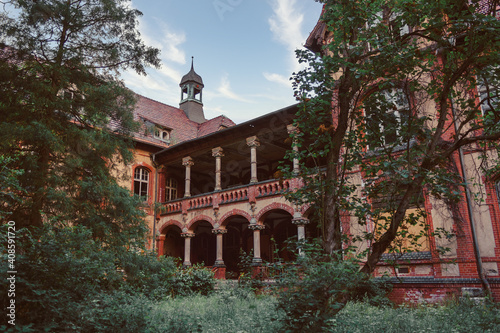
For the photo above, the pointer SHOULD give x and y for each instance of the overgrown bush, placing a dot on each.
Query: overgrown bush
(316, 287)
(63, 272)
(462, 317)
(56, 270)
(193, 280)
(147, 275)
(115, 312)
(222, 311)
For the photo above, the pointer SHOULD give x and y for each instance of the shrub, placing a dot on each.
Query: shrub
(64, 271)
(115, 312)
(55, 271)
(452, 317)
(193, 280)
(316, 287)
(148, 275)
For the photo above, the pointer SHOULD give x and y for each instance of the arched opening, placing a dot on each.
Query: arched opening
(237, 240)
(203, 246)
(173, 245)
(279, 228)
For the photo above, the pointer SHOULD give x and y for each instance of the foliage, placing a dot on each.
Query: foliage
(463, 317)
(193, 280)
(116, 312)
(65, 116)
(223, 311)
(315, 288)
(10, 189)
(65, 272)
(401, 80)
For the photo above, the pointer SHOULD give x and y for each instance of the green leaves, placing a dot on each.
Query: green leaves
(65, 115)
(384, 108)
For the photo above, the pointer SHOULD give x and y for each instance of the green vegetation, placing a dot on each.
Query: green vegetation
(66, 124)
(398, 77)
(66, 120)
(68, 281)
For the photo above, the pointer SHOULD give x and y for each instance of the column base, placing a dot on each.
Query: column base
(256, 261)
(219, 272)
(259, 272)
(219, 263)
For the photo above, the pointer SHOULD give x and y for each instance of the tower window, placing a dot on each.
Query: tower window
(185, 92)
(141, 182)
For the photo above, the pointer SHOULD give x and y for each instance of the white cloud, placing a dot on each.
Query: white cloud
(170, 43)
(278, 78)
(286, 27)
(224, 90)
(286, 23)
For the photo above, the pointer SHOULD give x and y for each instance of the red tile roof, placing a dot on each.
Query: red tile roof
(150, 112)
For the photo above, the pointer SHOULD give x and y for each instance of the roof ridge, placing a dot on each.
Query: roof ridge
(154, 100)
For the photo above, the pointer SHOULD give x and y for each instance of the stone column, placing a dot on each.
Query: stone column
(187, 248)
(293, 130)
(188, 163)
(300, 222)
(257, 260)
(160, 241)
(253, 143)
(219, 260)
(217, 153)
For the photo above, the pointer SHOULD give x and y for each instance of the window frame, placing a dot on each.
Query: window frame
(171, 187)
(161, 134)
(138, 182)
(397, 113)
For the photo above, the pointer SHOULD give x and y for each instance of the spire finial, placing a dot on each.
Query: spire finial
(192, 62)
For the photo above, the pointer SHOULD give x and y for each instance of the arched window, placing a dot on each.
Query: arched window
(170, 189)
(141, 182)
(386, 113)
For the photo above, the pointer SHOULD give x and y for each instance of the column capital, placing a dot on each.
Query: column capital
(256, 227)
(160, 237)
(219, 231)
(188, 234)
(253, 141)
(217, 152)
(187, 161)
(300, 221)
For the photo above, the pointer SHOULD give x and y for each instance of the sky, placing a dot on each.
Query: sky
(244, 50)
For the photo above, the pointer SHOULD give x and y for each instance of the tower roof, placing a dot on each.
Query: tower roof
(191, 76)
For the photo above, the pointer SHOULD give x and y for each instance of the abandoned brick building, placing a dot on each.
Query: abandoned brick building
(215, 184)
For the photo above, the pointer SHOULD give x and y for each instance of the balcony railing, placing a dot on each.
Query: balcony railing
(226, 196)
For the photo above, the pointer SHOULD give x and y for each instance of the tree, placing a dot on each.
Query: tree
(400, 79)
(66, 116)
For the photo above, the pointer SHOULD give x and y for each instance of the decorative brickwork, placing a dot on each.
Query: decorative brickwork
(233, 212)
(273, 206)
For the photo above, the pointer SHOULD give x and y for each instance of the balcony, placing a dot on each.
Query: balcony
(249, 193)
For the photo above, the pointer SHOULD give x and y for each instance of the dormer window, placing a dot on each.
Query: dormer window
(162, 134)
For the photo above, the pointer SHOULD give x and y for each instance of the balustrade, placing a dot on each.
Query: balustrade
(262, 189)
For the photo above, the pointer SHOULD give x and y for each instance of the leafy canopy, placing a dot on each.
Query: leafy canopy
(390, 94)
(64, 114)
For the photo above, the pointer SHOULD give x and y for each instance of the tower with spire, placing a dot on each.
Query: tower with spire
(191, 95)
